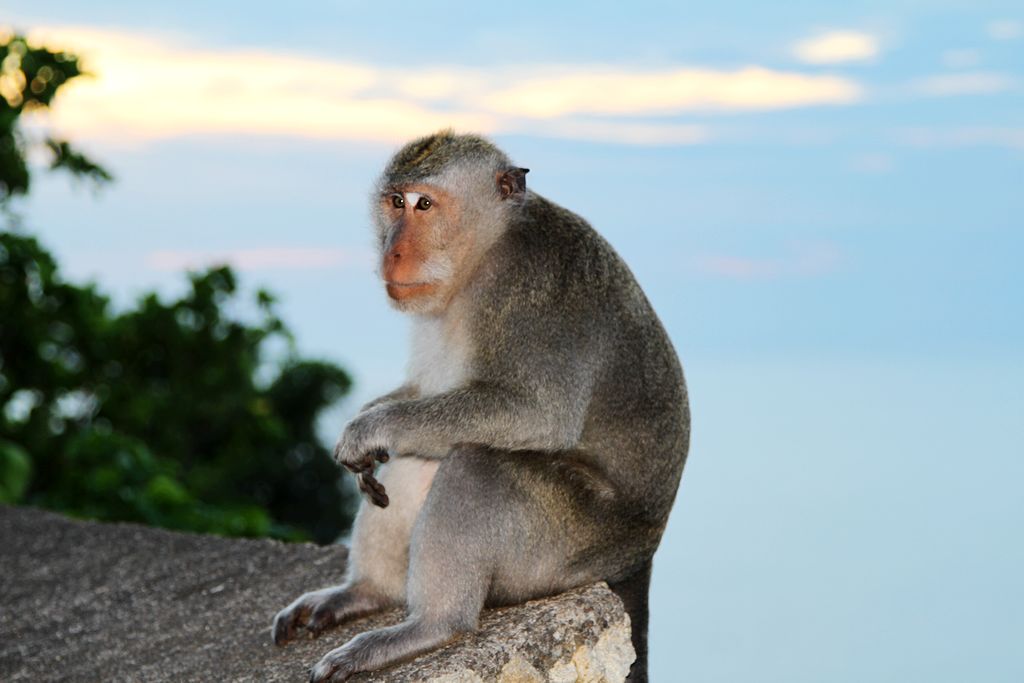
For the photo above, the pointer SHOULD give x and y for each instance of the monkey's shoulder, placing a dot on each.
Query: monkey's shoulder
(556, 248)
(554, 278)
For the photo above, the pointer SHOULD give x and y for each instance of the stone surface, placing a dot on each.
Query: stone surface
(83, 601)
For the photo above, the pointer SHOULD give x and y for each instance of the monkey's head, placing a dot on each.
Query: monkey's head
(441, 202)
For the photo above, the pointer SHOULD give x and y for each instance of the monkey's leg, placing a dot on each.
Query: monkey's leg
(449, 571)
(497, 526)
(378, 561)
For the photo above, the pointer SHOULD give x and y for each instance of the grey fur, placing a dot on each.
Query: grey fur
(539, 449)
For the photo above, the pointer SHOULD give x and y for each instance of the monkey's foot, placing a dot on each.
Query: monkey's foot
(329, 614)
(336, 666)
(313, 612)
(323, 609)
(288, 621)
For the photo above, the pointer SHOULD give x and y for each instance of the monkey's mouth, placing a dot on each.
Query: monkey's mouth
(408, 290)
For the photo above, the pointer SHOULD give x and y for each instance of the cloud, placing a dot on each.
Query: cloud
(265, 258)
(1005, 29)
(963, 136)
(150, 88)
(961, 59)
(973, 83)
(147, 87)
(872, 163)
(623, 133)
(837, 47)
(625, 93)
(804, 260)
(738, 267)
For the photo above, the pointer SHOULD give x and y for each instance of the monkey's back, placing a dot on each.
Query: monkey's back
(557, 281)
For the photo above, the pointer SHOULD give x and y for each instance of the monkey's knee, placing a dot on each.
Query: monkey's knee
(465, 475)
(452, 553)
(465, 496)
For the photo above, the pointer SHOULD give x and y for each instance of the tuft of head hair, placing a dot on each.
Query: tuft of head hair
(433, 155)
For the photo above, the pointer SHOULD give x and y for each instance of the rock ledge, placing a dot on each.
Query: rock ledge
(84, 601)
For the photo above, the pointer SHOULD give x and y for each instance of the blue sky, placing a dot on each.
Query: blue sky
(822, 201)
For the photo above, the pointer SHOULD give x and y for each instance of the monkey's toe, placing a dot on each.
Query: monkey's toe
(335, 667)
(281, 631)
(287, 623)
(323, 618)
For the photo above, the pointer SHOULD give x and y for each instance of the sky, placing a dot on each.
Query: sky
(823, 202)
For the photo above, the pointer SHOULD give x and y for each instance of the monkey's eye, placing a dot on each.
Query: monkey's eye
(423, 204)
(397, 201)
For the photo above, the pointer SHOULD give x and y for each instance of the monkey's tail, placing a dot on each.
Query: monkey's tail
(633, 592)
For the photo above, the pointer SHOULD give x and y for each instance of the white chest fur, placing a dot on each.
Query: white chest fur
(440, 355)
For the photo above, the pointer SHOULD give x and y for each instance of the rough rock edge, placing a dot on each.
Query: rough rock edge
(84, 601)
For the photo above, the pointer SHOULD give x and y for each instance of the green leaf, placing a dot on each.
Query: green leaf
(15, 472)
(68, 159)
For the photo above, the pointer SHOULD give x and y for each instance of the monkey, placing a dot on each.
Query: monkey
(539, 439)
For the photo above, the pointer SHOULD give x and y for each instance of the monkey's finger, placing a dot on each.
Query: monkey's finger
(374, 489)
(381, 499)
(381, 454)
(378, 495)
(363, 485)
(360, 467)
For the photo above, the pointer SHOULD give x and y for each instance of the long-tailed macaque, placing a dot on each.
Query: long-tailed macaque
(538, 441)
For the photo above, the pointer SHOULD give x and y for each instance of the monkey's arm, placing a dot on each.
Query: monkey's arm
(406, 391)
(499, 415)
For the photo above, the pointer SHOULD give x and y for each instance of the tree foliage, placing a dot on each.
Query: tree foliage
(30, 78)
(153, 414)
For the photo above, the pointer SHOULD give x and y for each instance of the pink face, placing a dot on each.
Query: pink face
(417, 263)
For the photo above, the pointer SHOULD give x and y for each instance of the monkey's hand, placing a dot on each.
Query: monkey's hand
(368, 484)
(359, 451)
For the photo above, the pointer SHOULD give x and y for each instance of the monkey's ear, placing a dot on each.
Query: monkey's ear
(512, 181)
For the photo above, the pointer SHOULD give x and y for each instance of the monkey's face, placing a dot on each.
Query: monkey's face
(420, 252)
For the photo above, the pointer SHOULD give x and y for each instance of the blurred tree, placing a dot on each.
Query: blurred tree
(153, 414)
(30, 78)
